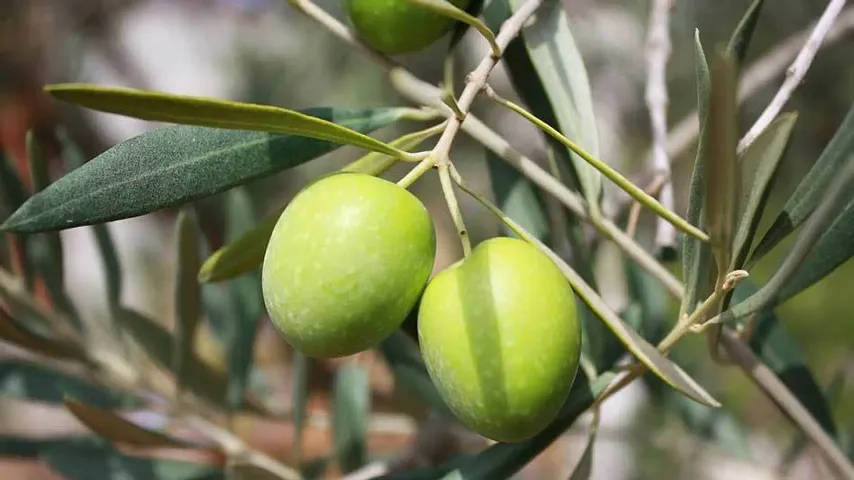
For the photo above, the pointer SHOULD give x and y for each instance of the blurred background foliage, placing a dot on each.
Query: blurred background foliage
(262, 51)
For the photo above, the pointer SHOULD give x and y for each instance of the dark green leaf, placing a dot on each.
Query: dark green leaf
(780, 352)
(760, 162)
(503, 460)
(106, 463)
(28, 381)
(12, 195)
(831, 393)
(203, 379)
(740, 39)
(721, 171)
(175, 165)
(548, 72)
(351, 406)
(696, 255)
(834, 248)
(810, 190)
(116, 429)
(248, 471)
(208, 112)
(112, 268)
(188, 307)
(32, 448)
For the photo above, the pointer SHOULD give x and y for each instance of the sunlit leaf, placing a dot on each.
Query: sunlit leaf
(810, 190)
(350, 411)
(549, 73)
(116, 429)
(36, 383)
(175, 165)
(209, 112)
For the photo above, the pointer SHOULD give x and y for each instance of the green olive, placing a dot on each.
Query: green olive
(398, 26)
(501, 339)
(346, 263)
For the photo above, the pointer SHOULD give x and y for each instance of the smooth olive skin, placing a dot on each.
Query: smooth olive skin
(346, 263)
(396, 26)
(501, 339)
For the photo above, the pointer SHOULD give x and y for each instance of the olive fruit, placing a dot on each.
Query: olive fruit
(347, 261)
(398, 26)
(501, 339)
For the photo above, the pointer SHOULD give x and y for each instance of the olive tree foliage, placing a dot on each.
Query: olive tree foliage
(217, 147)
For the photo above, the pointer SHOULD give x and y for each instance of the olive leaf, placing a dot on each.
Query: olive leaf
(740, 39)
(209, 112)
(188, 308)
(103, 462)
(350, 412)
(36, 383)
(548, 72)
(810, 190)
(175, 165)
(116, 429)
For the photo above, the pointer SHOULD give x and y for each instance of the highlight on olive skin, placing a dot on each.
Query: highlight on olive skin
(501, 339)
(346, 263)
(398, 26)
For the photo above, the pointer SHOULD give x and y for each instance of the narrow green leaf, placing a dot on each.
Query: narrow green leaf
(831, 393)
(175, 165)
(208, 112)
(248, 471)
(762, 157)
(299, 396)
(503, 460)
(106, 247)
(13, 194)
(743, 33)
(202, 379)
(107, 463)
(32, 448)
(777, 349)
(20, 334)
(696, 255)
(721, 169)
(810, 190)
(351, 410)
(833, 249)
(549, 73)
(819, 223)
(188, 307)
(32, 382)
(116, 429)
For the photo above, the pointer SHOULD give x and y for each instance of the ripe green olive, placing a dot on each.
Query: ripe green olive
(501, 339)
(398, 26)
(347, 261)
